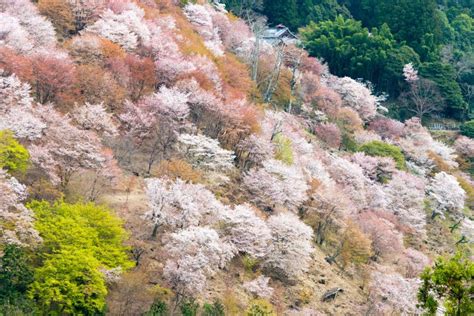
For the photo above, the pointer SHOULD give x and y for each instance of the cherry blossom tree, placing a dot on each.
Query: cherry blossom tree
(376, 168)
(387, 128)
(291, 250)
(14, 36)
(446, 194)
(40, 32)
(204, 152)
(465, 146)
(276, 185)
(16, 221)
(414, 262)
(64, 149)
(405, 195)
(387, 241)
(177, 204)
(246, 231)
(126, 28)
(410, 73)
(200, 16)
(355, 95)
(329, 133)
(253, 150)
(16, 109)
(259, 287)
(95, 117)
(392, 293)
(195, 253)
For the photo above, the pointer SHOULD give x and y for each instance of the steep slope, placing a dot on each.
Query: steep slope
(245, 173)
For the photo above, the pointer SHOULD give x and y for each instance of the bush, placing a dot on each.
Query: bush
(467, 129)
(260, 307)
(283, 151)
(13, 156)
(215, 309)
(189, 308)
(381, 149)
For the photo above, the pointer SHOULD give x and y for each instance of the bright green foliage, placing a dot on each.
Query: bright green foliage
(283, 151)
(260, 307)
(189, 308)
(351, 50)
(382, 149)
(450, 281)
(13, 156)
(16, 274)
(467, 129)
(82, 226)
(69, 281)
(78, 240)
(215, 309)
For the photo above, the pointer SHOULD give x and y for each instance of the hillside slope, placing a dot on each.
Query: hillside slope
(249, 179)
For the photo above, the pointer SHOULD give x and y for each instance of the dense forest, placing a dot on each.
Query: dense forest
(373, 40)
(164, 157)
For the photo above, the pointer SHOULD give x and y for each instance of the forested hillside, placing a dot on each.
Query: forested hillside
(162, 157)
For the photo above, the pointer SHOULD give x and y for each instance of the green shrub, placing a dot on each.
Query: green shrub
(467, 129)
(260, 307)
(284, 151)
(13, 156)
(381, 149)
(215, 309)
(189, 308)
(158, 308)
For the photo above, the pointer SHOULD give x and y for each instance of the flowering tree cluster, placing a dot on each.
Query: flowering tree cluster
(276, 185)
(23, 28)
(16, 221)
(446, 194)
(355, 95)
(204, 152)
(95, 117)
(195, 253)
(392, 293)
(17, 110)
(291, 250)
(125, 28)
(259, 287)
(246, 231)
(179, 205)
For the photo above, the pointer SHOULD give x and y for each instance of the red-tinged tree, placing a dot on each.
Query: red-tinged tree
(59, 12)
(387, 241)
(142, 78)
(387, 128)
(53, 78)
(329, 133)
(328, 101)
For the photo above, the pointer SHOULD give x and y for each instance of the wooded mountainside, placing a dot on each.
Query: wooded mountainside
(163, 157)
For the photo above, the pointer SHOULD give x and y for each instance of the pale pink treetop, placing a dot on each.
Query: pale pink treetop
(259, 287)
(291, 251)
(178, 204)
(246, 231)
(276, 185)
(16, 221)
(194, 254)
